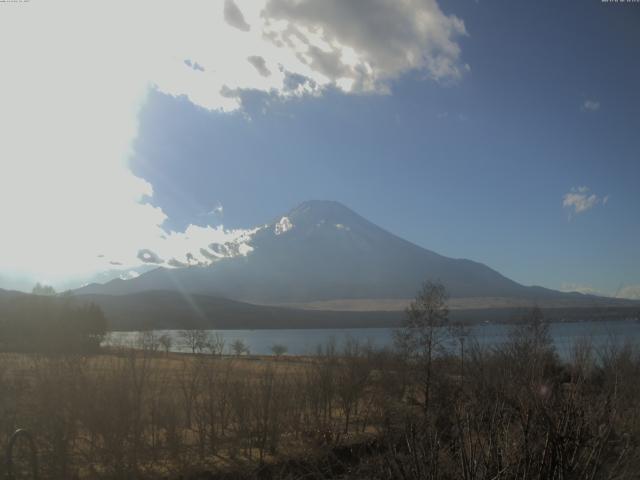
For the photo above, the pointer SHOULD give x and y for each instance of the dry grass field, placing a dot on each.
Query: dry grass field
(145, 414)
(512, 412)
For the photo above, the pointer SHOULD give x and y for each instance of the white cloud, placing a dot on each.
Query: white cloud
(187, 245)
(576, 287)
(590, 106)
(217, 210)
(75, 74)
(283, 226)
(631, 292)
(362, 44)
(579, 200)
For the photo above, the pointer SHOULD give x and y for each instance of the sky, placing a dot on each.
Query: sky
(503, 132)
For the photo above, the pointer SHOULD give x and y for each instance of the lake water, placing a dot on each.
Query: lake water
(306, 341)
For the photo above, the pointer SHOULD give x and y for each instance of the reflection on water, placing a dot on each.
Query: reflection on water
(306, 341)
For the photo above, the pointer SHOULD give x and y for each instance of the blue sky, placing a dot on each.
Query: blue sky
(475, 169)
(506, 132)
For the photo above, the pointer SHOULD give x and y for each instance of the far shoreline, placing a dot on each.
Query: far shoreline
(344, 320)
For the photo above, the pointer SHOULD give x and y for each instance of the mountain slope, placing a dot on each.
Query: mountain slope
(174, 310)
(322, 250)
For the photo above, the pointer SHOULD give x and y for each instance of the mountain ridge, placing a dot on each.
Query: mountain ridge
(321, 251)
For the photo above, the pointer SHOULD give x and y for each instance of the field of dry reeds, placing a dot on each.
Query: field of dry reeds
(515, 411)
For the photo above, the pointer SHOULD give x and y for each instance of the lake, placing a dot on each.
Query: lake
(305, 341)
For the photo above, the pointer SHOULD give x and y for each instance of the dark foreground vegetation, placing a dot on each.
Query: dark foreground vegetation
(418, 412)
(45, 323)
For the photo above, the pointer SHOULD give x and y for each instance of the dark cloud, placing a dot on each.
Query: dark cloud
(234, 17)
(260, 65)
(327, 63)
(252, 102)
(293, 81)
(147, 256)
(208, 255)
(194, 65)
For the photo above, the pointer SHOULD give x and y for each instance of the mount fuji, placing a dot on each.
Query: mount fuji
(322, 253)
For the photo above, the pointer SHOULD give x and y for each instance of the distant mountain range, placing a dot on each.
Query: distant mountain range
(321, 251)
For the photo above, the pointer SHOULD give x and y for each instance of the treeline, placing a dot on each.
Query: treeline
(50, 323)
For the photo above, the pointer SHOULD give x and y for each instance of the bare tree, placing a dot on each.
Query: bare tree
(195, 340)
(422, 333)
(352, 378)
(460, 334)
(215, 344)
(278, 350)
(529, 348)
(165, 342)
(147, 341)
(239, 347)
